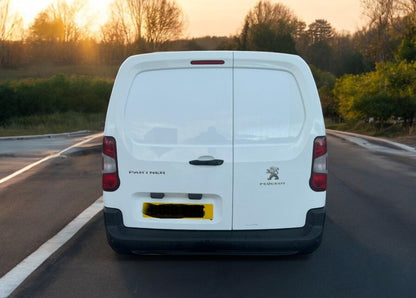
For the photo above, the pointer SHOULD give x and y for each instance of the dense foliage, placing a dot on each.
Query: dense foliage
(389, 92)
(376, 66)
(58, 94)
(368, 74)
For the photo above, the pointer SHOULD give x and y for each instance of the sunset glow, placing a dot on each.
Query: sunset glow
(222, 17)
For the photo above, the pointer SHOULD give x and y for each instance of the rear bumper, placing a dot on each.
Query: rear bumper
(264, 242)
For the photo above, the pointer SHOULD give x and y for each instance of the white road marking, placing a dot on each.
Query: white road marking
(28, 167)
(365, 142)
(11, 280)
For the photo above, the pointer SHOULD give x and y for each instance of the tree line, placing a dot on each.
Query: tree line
(365, 74)
(370, 74)
(137, 26)
(57, 35)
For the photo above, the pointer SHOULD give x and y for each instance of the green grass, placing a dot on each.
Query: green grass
(370, 129)
(54, 123)
(57, 122)
(49, 70)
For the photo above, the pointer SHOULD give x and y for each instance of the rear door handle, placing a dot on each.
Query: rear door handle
(211, 162)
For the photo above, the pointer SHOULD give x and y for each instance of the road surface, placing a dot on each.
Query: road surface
(368, 249)
(18, 152)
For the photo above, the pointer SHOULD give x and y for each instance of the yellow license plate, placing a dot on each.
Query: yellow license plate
(178, 211)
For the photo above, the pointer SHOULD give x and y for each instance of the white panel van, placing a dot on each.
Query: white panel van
(214, 152)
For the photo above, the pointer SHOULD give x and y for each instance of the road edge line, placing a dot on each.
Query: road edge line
(47, 136)
(396, 144)
(32, 165)
(15, 277)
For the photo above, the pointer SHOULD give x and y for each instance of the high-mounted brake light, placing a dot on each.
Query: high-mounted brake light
(207, 62)
(111, 181)
(318, 181)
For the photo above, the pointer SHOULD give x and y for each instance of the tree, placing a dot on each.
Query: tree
(45, 28)
(148, 23)
(325, 82)
(320, 31)
(264, 38)
(389, 91)
(67, 14)
(407, 50)
(320, 54)
(381, 15)
(270, 27)
(407, 7)
(11, 29)
(136, 12)
(163, 21)
(272, 15)
(58, 22)
(11, 25)
(118, 33)
(347, 56)
(4, 14)
(56, 34)
(348, 90)
(119, 29)
(318, 50)
(400, 80)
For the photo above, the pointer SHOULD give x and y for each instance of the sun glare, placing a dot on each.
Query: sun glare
(213, 17)
(28, 9)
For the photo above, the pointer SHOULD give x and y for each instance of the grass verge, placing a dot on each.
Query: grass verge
(53, 123)
(390, 130)
(48, 70)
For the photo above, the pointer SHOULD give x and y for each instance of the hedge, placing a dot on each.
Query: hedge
(59, 94)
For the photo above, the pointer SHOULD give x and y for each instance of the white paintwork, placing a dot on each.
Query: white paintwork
(275, 98)
(255, 111)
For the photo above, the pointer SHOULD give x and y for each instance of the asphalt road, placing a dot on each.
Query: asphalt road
(18, 152)
(368, 249)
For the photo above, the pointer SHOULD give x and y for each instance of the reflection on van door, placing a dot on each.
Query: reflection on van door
(269, 187)
(182, 128)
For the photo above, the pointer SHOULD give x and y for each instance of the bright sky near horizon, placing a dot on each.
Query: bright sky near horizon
(225, 17)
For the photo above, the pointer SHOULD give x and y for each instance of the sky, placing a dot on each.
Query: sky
(225, 17)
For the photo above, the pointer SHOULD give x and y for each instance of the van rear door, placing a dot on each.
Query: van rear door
(273, 141)
(178, 142)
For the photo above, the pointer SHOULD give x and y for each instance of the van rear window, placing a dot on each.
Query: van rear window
(268, 106)
(181, 106)
(202, 106)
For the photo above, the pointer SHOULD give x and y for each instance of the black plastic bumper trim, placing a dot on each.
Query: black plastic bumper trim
(262, 242)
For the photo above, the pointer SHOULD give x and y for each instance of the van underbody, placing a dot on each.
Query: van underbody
(302, 240)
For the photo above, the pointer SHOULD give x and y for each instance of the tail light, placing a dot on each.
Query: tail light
(319, 174)
(111, 181)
